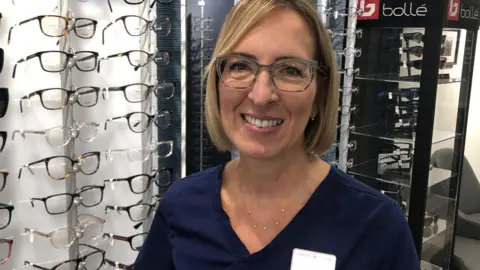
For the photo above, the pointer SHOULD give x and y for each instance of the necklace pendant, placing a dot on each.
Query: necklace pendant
(265, 228)
(276, 222)
(254, 226)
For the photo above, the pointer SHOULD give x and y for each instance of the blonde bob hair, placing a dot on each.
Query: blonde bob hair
(320, 132)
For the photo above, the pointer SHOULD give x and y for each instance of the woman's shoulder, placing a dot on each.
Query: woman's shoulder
(194, 186)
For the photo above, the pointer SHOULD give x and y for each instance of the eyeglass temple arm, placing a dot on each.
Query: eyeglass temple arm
(115, 208)
(27, 230)
(116, 237)
(108, 89)
(27, 263)
(108, 57)
(25, 97)
(32, 201)
(106, 27)
(22, 132)
(28, 167)
(110, 5)
(18, 24)
(112, 119)
(23, 60)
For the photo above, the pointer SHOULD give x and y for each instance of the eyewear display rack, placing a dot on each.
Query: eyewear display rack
(115, 142)
(204, 20)
(414, 78)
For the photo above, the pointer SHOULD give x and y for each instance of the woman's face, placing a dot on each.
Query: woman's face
(248, 114)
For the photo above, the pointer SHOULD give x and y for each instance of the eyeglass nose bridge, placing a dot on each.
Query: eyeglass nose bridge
(269, 69)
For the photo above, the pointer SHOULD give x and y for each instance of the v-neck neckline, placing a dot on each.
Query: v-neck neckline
(238, 248)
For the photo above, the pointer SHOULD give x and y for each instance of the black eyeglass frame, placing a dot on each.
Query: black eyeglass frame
(77, 92)
(68, 56)
(128, 239)
(10, 209)
(135, 3)
(151, 178)
(72, 196)
(151, 118)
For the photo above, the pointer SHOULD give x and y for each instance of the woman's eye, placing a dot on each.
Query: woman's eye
(239, 66)
(291, 71)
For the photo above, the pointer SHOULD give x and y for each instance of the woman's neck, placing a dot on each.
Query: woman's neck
(272, 177)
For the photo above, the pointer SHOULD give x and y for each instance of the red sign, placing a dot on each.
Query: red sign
(453, 11)
(371, 9)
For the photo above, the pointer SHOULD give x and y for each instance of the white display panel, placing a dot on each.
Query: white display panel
(26, 40)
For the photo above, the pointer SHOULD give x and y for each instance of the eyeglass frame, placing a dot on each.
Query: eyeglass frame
(65, 29)
(150, 56)
(4, 99)
(125, 238)
(3, 182)
(76, 161)
(124, 87)
(69, 56)
(149, 25)
(78, 260)
(9, 242)
(151, 5)
(150, 177)
(313, 64)
(80, 227)
(127, 209)
(76, 126)
(69, 92)
(10, 209)
(151, 118)
(73, 196)
(118, 265)
(3, 136)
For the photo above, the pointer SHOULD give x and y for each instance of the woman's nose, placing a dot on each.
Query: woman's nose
(263, 91)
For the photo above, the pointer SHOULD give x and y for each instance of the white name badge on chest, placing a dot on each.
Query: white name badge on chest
(310, 260)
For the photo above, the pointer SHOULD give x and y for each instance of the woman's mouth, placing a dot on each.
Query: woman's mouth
(261, 123)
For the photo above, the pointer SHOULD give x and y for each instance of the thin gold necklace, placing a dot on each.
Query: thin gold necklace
(283, 211)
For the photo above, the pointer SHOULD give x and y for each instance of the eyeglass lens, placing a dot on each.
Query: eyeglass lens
(85, 60)
(139, 212)
(53, 26)
(5, 250)
(3, 181)
(138, 58)
(53, 61)
(163, 178)
(137, 241)
(163, 26)
(84, 28)
(164, 119)
(137, 92)
(5, 216)
(59, 167)
(135, 25)
(165, 90)
(3, 101)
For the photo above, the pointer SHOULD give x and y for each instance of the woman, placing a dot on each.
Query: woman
(272, 94)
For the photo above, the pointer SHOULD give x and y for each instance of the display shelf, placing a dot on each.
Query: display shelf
(392, 77)
(378, 130)
(364, 169)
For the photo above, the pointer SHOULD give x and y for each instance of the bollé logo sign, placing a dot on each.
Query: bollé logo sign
(453, 12)
(457, 11)
(370, 9)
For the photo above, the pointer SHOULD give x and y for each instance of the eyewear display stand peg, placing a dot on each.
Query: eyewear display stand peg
(347, 84)
(68, 120)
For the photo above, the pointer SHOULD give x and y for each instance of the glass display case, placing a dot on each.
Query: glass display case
(408, 119)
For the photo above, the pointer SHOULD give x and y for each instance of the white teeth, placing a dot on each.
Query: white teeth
(262, 123)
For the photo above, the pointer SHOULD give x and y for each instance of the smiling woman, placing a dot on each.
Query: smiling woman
(272, 94)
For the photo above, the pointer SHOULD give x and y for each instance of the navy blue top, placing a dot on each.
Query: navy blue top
(364, 229)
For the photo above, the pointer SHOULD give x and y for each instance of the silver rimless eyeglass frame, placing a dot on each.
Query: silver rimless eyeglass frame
(86, 132)
(86, 221)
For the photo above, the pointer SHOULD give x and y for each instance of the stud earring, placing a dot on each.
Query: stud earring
(313, 117)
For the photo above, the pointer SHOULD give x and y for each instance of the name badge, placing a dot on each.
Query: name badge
(310, 260)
